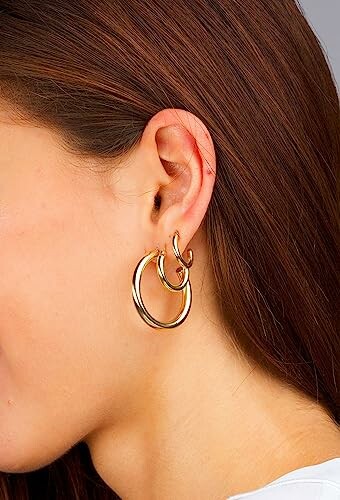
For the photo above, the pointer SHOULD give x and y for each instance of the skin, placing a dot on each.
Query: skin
(166, 413)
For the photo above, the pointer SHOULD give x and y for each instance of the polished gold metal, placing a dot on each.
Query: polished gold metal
(184, 285)
(161, 273)
(178, 253)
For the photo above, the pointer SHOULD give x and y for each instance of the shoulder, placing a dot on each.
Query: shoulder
(314, 482)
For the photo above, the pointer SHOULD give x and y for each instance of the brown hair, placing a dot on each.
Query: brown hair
(256, 75)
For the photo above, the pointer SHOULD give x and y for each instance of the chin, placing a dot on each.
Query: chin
(27, 455)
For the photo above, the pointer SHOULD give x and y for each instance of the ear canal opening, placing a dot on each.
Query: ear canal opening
(157, 202)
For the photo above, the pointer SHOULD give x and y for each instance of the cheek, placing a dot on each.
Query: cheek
(40, 284)
(55, 351)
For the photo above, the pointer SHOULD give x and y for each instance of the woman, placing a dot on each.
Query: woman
(169, 248)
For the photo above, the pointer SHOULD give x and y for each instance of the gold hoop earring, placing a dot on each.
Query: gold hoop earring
(184, 285)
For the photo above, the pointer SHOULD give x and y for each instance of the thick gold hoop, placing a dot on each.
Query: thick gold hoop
(184, 288)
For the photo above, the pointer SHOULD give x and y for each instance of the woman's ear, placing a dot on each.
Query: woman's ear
(186, 157)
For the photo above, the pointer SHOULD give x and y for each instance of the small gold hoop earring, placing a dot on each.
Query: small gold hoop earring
(178, 253)
(183, 274)
(184, 286)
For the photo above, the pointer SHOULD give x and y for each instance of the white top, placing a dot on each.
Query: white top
(314, 482)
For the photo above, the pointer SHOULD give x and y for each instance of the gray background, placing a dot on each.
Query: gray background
(324, 17)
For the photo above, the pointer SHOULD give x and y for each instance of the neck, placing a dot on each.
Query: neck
(209, 425)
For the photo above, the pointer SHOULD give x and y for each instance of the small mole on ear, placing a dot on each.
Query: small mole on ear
(10, 401)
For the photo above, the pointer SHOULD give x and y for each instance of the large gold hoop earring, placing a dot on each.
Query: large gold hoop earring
(184, 286)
